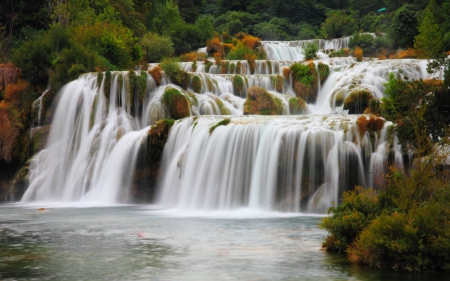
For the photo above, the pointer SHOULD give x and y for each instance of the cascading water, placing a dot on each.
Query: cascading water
(286, 163)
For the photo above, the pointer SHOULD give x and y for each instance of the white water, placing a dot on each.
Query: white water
(281, 163)
(258, 161)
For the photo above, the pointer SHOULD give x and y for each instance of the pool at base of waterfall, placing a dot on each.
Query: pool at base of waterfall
(142, 242)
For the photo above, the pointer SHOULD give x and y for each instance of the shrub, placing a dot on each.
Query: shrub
(185, 37)
(372, 124)
(341, 53)
(259, 101)
(364, 41)
(214, 45)
(305, 80)
(310, 50)
(358, 53)
(193, 56)
(279, 82)
(173, 70)
(177, 103)
(241, 52)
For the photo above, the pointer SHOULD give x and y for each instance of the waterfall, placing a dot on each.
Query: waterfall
(290, 163)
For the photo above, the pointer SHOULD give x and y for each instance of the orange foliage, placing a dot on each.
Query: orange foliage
(287, 73)
(433, 82)
(193, 56)
(214, 45)
(358, 53)
(373, 124)
(381, 57)
(218, 57)
(228, 47)
(13, 92)
(8, 75)
(251, 62)
(9, 130)
(155, 72)
(404, 54)
(249, 41)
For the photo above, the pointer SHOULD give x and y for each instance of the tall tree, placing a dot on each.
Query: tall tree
(429, 41)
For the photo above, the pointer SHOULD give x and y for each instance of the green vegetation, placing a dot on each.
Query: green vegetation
(156, 47)
(297, 106)
(224, 122)
(357, 101)
(310, 51)
(238, 85)
(305, 80)
(405, 224)
(197, 84)
(173, 70)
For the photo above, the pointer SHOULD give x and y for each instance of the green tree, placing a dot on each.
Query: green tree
(429, 41)
(338, 24)
(156, 47)
(190, 9)
(403, 26)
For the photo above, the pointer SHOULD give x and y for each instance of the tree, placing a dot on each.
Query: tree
(156, 47)
(429, 41)
(404, 26)
(338, 24)
(190, 9)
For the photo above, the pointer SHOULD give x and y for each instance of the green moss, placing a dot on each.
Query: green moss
(193, 98)
(132, 88)
(107, 85)
(297, 106)
(99, 78)
(194, 66)
(208, 65)
(197, 84)
(238, 67)
(357, 101)
(224, 122)
(269, 66)
(260, 102)
(141, 86)
(232, 67)
(324, 71)
(302, 73)
(238, 85)
(173, 70)
(338, 98)
(177, 103)
(278, 83)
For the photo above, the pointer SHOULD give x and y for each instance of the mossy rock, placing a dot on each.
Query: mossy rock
(338, 98)
(208, 65)
(223, 122)
(238, 67)
(324, 71)
(278, 83)
(149, 161)
(297, 106)
(177, 103)
(357, 101)
(232, 67)
(305, 81)
(222, 108)
(99, 79)
(197, 84)
(238, 85)
(107, 84)
(260, 102)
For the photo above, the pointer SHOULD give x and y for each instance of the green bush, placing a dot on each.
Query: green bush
(365, 41)
(173, 70)
(241, 52)
(310, 50)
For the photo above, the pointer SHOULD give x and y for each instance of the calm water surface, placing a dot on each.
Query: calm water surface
(138, 243)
